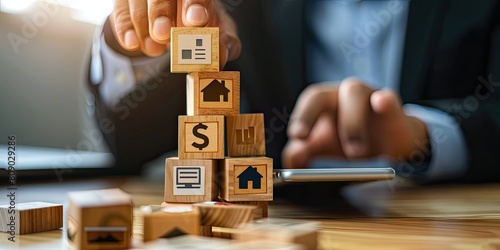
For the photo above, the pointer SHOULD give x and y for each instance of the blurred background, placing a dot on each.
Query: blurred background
(44, 52)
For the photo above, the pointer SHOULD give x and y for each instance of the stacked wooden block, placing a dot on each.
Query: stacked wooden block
(209, 167)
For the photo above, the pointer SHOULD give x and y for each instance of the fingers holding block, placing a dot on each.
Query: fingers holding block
(213, 93)
(247, 179)
(201, 137)
(246, 135)
(194, 49)
(190, 181)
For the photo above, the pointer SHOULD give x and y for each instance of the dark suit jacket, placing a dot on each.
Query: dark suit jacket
(451, 62)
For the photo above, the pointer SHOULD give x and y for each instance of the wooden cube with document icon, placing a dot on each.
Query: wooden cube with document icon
(194, 49)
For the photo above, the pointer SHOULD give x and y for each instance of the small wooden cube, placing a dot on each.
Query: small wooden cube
(261, 210)
(99, 219)
(281, 230)
(223, 214)
(171, 221)
(245, 135)
(201, 137)
(189, 242)
(20, 218)
(194, 49)
(268, 245)
(213, 93)
(190, 181)
(247, 179)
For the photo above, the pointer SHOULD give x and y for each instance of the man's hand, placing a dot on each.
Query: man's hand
(350, 120)
(145, 24)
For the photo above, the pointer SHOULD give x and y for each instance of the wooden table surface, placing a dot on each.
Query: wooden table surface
(377, 215)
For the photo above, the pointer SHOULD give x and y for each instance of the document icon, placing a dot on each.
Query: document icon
(195, 49)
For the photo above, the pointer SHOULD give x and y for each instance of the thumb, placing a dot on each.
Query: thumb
(386, 103)
(196, 12)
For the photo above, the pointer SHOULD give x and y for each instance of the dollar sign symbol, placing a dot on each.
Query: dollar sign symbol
(201, 136)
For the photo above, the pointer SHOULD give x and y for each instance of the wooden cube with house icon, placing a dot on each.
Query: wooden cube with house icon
(247, 179)
(201, 137)
(245, 135)
(190, 181)
(99, 219)
(194, 49)
(171, 221)
(213, 93)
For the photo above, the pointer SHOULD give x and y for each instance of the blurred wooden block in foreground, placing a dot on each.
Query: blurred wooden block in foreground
(30, 217)
(171, 221)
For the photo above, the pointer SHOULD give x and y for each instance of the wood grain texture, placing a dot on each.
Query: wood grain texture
(220, 214)
(209, 185)
(31, 217)
(261, 210)
(233, 171)
(200, 87)
(175, 45)
(282, 230)
(171, 219)
(246, 135)
(214, 135)
(99, 219)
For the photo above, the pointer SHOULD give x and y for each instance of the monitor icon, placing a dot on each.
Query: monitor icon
(189, 180)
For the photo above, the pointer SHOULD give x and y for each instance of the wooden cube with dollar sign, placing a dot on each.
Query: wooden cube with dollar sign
(201, 137)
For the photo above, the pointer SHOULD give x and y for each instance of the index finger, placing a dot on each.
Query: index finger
(311, 103)
(196, 12)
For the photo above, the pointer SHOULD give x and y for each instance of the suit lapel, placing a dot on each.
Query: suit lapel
(424, 27)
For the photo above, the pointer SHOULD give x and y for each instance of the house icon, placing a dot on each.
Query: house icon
(250, 174)
(213, 91)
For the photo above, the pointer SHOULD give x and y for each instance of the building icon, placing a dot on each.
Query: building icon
(250, 174)
(214, 90)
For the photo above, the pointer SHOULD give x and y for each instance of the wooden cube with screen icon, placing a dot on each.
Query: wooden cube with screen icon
(201, 137)
(190, 181)
(194, 49)
(245, 135)
(213, 93)
(247, 179)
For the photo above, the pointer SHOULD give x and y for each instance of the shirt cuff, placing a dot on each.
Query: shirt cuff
(449, 154)
(118, 75)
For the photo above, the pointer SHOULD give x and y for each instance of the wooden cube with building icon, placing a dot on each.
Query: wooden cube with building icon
(246, 135)
(247, 179)
(213, 93)
(99, 219)
(201, 137)
(194, 49)
(171, 221)
(190, 181)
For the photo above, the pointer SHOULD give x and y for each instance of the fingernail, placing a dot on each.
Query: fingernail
(297, 129)
(196, 15)
(131, 41)
(354, 149)
(152, 48)
(161, 28)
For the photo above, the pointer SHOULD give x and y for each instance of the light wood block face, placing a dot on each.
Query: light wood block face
(194, 50)
(300, 232)
(190, 242)
(247, 179)
(190, 181)
(171, 221)
(223, 214)
(201, 137)
(261, 210)
(245, 135)
(31, 217)
(213, 93)
(99, 219)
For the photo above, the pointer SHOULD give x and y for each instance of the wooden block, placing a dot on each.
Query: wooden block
(268, 245)
(247, 179)
(171, 221)
(99, 219)
(190, 181)
(261, 210)
(223, 214)
(213, 93)
(245, 135)
(281, 230)
(201, 137)
(206, 231)
(30, 217)
(194, 50)
(189, 242)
